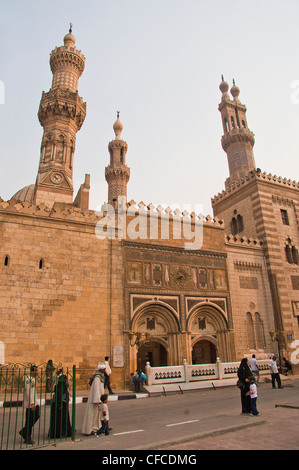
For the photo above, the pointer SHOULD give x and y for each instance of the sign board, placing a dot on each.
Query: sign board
(118, 356)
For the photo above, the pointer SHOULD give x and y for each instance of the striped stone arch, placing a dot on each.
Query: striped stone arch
(162, 327)
(207, 323)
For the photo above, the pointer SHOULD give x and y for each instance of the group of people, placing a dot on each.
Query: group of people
(59, 415)
(139, 378)
(60, 426)
(248, 379)
(96, 418)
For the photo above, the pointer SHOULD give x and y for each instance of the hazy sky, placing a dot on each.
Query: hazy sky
(160, 63)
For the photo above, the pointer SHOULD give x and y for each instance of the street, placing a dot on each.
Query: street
(171, 422)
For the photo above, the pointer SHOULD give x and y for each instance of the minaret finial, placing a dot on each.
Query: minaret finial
(71, 28)
(118, 114)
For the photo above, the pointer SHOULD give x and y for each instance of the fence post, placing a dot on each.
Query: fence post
(74, 405)
(219, 369)
(148, 373)
(186, 371)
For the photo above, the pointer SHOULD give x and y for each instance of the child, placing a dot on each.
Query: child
(104, 416)
(253, 395)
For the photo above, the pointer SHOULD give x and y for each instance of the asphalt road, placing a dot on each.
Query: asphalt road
(166, 422)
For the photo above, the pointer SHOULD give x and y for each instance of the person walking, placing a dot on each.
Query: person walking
(107, 375)
(91, 421)
(253, 396)
(31, 404)
(253, 364)
(104, 416)
(274, 372)
(244, 373)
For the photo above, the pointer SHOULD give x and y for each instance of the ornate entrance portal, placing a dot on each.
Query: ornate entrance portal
(161, 344)
(209, 334)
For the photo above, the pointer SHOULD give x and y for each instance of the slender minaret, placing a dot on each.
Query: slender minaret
(238, 140)
(117, 173)
(61, 113)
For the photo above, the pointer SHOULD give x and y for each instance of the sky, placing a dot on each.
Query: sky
(158, 62)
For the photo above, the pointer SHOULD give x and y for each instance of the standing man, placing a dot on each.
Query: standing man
(91, 421)
(274, 372)
(254, 368)
(31, 404)
(107, 375)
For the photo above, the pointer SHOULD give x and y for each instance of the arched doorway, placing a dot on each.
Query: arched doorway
(204, 352)
(153, 352)
(209, 334)
(163, 348)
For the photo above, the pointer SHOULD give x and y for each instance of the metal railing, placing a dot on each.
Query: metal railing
(37, 405)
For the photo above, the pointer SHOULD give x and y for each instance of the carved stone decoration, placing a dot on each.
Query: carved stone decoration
(134, 273)
(157, 274)
(180, 277)
(150, 323)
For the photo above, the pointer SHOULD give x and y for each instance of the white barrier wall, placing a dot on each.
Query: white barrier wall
(195, 372)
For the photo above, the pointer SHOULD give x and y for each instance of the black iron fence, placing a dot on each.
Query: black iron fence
(37, 405)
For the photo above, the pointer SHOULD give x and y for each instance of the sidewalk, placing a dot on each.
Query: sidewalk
(276, 429)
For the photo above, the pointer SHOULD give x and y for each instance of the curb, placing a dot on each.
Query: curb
(213, 433)
(48, 401)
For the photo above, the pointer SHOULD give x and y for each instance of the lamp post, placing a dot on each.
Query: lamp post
(137, 338)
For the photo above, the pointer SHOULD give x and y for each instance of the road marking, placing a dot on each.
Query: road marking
(127, 432)
(183, 422)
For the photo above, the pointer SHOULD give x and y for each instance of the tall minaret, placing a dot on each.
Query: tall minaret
(61, 113)
(117, 173)
(238, 140)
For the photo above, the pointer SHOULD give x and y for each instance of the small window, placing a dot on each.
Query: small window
(233, 122)
(41, 264)
(288, 254)
(240, 223)
(284, 217)
(295, 255)
(6, 260)
(237, 224)
(292, 254)
(225, 125)
(244, 124)
(234, 226)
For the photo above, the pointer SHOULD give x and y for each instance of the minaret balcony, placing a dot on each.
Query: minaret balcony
(62, 102)
(237, 135)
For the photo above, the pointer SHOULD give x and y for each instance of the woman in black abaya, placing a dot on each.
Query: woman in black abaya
(243, 373)
(59, 420)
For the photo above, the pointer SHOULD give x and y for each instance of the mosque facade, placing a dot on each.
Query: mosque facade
(138, 282)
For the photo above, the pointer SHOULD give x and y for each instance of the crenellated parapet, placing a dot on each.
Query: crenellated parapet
(240, 240)
(175, 214)
(259, 176)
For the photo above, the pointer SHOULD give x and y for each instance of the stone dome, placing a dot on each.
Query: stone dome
(69, 40)
(118, 127)
(25, 194)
